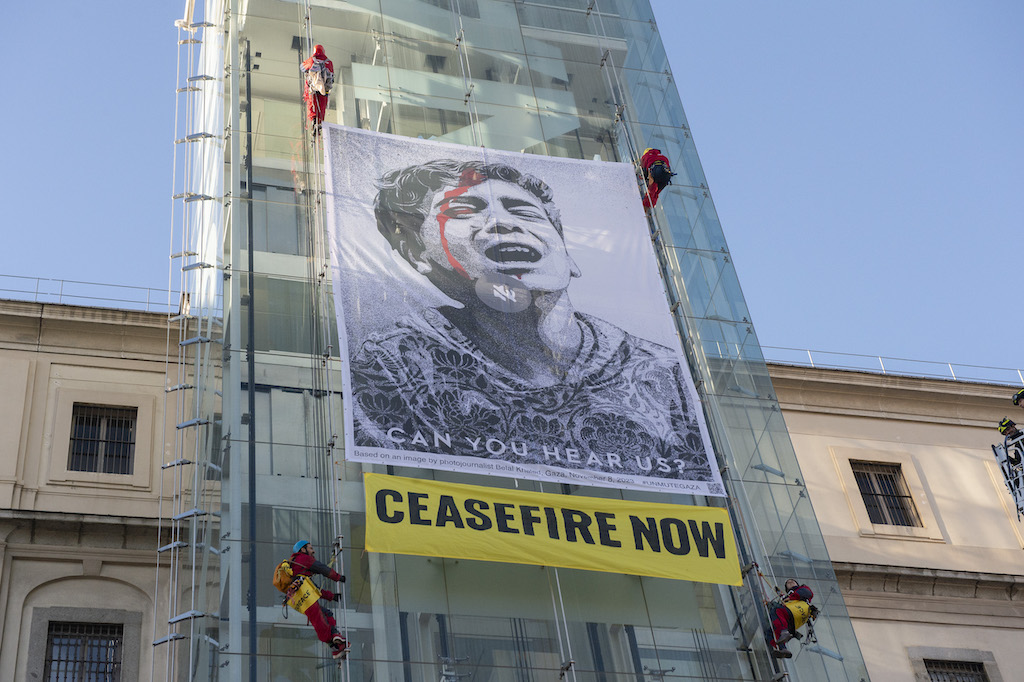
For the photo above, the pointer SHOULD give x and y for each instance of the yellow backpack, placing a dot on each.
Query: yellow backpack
(283, 576)
(300, 592)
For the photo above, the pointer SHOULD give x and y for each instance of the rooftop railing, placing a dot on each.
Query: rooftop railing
(71, 292)
(877, 364)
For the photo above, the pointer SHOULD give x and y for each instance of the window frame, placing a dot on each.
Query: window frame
(131, 640)
(980, 668)
(105, 444)
(112, 641)
(928, 531)
(886, 503)
(146, 445)
(918, 655)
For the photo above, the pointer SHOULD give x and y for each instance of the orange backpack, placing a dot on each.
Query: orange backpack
(283, 576)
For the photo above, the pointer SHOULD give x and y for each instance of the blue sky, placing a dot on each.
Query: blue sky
(867, 163)
(866, 160)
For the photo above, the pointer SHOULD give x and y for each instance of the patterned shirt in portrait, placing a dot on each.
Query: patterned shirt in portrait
(621, 407)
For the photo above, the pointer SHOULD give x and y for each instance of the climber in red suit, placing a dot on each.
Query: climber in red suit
(657, 174)
(319, 75)
(794, 610)
(304, 563)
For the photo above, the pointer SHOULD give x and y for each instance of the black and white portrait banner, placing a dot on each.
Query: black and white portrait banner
(502, 314)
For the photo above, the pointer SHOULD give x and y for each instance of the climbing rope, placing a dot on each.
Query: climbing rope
(327, 465)
(467, 74)
(611, 74)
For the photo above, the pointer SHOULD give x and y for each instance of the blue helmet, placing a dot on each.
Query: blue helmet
(297, 547)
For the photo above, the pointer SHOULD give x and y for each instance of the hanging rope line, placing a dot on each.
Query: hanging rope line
(622, 121)
(467, 74)
(326, 448)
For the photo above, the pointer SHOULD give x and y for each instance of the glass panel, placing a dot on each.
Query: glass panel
(282, 316)
(426, 32)
(571, 22)
(120, 445)
(494, 27)
(85, 445)
(628, 9)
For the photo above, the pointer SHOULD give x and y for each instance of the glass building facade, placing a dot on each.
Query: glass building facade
(260, 462)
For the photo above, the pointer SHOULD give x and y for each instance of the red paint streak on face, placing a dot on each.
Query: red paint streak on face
(470, 178)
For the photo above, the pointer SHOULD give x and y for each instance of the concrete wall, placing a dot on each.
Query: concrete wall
(78, 546)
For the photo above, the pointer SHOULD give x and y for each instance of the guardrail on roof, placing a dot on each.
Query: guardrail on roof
(898, 366)
(71, 292)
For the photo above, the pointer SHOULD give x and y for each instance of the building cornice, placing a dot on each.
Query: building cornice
(931, 596)
(70, 517)
(928, 581)
(887, 396)
(83, 331)
(77, 313)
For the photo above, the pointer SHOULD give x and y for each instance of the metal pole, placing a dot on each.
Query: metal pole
(250, 348)
(233, 359)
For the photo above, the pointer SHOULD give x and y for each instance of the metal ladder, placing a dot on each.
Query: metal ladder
(188, 521)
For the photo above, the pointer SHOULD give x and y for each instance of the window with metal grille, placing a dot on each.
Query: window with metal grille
(886, 495)
(83, 652)
(102, 439)
(955, 671)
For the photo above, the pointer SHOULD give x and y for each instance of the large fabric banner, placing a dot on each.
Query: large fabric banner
(502, 314)
(437, 518)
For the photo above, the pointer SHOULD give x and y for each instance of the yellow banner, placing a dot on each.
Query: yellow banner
(432, 518)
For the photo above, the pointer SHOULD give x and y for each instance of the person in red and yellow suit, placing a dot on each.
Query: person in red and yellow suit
(305, 597)
(794, 611)
(319, 75)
